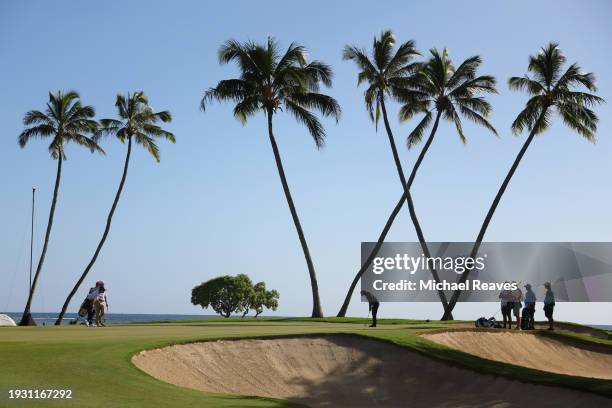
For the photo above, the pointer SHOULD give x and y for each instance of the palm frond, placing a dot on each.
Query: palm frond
(303, 116)
(246, 108)
(40, 132)
(139, 121)
(527, 84)
(527, 118)
(35, 117)
(156, 131)
(295, 55)
(416, 135)
(405, 53)
(316, 72)
(269, 82)
(361, 59)
(552, 87)
(148, 143)
(325, 104)
(481, 84)
(465, 72)
(451, 114)
(228, 89)
(582, 120)
(382, 49)
(476, 118)
(85, 141)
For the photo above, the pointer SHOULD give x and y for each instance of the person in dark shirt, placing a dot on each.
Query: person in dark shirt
(373, 305)
(549, 306)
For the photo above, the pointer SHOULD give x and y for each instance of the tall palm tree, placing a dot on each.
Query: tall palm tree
(64, 120)
(550, 89)
(268, 82)
(139, 123)
(449, 93)
(388, 75)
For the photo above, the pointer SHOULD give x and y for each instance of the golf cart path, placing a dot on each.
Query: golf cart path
(343, 371)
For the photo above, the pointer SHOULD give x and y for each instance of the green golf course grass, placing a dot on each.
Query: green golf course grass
(95, 362)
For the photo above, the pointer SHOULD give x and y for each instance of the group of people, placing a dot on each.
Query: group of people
(511, 303)
(94, 305)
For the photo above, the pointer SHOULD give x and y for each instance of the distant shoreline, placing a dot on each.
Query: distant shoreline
(121, 318)
(113, 318)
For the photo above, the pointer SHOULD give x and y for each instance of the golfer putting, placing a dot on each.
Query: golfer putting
(373, 305)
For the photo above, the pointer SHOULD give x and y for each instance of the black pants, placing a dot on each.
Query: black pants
(528, 316)
(548, 310)
(90, 312)
(507, 310)
(374, 313)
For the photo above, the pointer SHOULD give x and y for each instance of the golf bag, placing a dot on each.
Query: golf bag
(85, 306)
(527, 317)
(83, 311)
(489, 323)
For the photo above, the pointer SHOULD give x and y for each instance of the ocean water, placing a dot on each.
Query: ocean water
(111, 318)
(122, 318)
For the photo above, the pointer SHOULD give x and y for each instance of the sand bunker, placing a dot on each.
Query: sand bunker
(530, 350)
(343, 371)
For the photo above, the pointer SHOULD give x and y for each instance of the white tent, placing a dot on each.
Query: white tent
(6, 321)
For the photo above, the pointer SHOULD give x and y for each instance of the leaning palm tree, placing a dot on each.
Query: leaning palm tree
(441, 90)
(388, 74)
(269, 82)
(139, 123)
(550, 89)
(64, 120)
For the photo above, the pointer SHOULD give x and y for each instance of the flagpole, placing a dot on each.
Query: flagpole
(32, 236)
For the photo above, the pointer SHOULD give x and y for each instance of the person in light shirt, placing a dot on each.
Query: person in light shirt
(89, 302)
(517, 297)
(529, 310)
(507, 305)
(549, 305)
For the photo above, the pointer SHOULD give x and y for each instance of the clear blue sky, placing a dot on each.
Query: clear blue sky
(214, 205)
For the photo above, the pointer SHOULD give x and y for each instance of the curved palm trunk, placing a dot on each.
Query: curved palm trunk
(104, 235)
(26, 319)
(487, 220)
(390, 221)
(316, 302)
(413, 216)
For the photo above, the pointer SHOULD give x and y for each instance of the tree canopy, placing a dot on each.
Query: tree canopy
(234, 294)
(262, 298)
(270, 80)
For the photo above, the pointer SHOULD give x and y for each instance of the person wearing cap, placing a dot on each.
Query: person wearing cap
(100, 303)
(517, 295)
(507, 305)
(89, 305)
(530, 301)
(549, 305)
(373, 304)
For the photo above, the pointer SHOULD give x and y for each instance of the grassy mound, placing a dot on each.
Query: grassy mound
(95, 362)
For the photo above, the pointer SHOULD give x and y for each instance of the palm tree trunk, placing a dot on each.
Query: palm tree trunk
(109, 220)
(487, 220)
(26, 319)
(316, 302)
(390, 220)
(411, 209)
